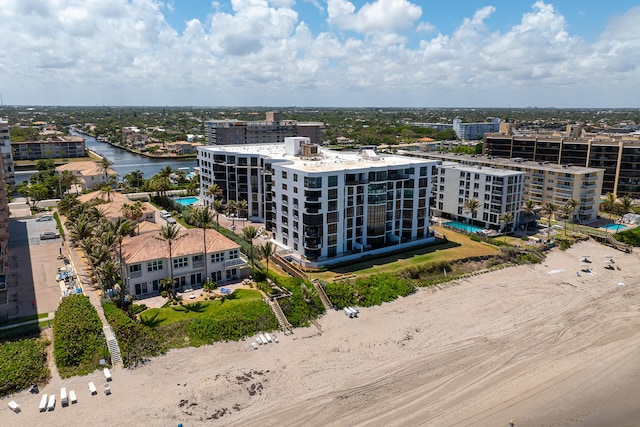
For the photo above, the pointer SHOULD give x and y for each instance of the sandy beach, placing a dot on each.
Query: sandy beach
(536, 344)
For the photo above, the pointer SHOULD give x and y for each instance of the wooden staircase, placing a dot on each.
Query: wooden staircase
(285, 326)
(112, 343)
(323, 295)
(609, 240)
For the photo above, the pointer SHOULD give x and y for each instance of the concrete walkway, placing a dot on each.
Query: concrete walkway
(28, 322)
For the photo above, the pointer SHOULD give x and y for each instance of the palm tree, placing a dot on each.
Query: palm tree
(214, 191)
(160, 184)
(608, 204)
(165, 172)
(135, 178)
(249, 233)
(242, 208)
(217, 207)
(550, 209)
(104, 165)
(108, 191)
(471, 206)
(67, 204)
(232, 209)
(266, 251)
(203, 218)
(506, 218)
(529, 208)
(568, 211)
(170, 233)
(624, 205)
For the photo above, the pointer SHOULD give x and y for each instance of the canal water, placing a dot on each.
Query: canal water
(124, 161)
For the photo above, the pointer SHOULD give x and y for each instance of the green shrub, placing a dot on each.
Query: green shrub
(300, 308)
(369, 291)
(164, 294)
(233, 324)
(137, 308)
(79, 343)
(137, 342)
(24, 362)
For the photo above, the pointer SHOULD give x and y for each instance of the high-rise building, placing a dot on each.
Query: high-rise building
(271, 131)
(6, 177)
(617, 155)
(497, 192)
(323, 206)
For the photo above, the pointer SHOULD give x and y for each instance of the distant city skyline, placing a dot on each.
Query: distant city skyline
(323, 53)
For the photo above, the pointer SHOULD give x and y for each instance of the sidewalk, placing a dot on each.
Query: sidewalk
(28, 322)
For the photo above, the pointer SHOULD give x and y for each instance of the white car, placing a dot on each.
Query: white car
(164, 214)
(45, 217)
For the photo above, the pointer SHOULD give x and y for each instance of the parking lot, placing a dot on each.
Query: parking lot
(33, 264)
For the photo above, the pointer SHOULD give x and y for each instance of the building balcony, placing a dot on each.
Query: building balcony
(198, 264)
(236, 261)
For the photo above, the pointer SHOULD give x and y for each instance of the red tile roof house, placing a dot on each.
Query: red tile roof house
(146, 261)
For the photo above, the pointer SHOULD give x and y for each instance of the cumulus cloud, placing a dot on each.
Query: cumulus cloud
(249, 52)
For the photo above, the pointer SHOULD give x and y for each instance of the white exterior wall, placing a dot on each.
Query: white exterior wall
(497, 191)
(222, 271)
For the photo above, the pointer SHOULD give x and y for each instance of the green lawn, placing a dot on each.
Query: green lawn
(175, 313)
(458, 246)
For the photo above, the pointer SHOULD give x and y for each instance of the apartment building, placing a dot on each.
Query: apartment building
(469, 131)
(6, 177)
(617, 155)
(465, 131)
(5, 152)
(323, 206)
(52, 147)
(544, 182)
(146, 261)
(497, 191)
(271, 131)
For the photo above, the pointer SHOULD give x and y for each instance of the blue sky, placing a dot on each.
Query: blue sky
(410, 53)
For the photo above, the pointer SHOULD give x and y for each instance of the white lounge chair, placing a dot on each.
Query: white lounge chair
(14, 406)
(43, 402)
(107, 389)
(64, 400)
(92, 388)
(72, 396)
(107, 374)
(52, 402)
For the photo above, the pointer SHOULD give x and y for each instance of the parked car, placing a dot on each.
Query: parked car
(47, 235)
(164, 214)
(171, 220)
(45, 217)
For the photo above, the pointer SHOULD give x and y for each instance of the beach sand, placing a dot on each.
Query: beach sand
(536, 344)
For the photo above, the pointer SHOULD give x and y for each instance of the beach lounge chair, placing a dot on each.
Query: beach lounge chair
(43, 402)
(107, 389)
(92, 388)
(52, 402)
(64, 399)
(266, 334)
(72, 396)
(275, 338)
(14, 406)
(254, 346)
(107, 374)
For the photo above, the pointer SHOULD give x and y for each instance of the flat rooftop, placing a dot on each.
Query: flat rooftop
(503, 162)
(481, 169)
(327, 160)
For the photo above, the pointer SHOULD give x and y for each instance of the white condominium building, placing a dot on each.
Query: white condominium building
(324, 206)
(497, 192)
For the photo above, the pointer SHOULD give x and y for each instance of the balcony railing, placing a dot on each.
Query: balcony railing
(236, 261)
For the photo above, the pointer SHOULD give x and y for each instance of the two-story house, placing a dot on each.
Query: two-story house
(146, 260)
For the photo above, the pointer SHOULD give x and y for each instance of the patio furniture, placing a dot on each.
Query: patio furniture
(92, 388)
(14, 406)
(107, 374)
(72, 396)
(43, 402)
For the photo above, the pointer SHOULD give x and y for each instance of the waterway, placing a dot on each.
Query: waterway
(124, 161)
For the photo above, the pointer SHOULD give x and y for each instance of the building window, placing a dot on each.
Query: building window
(284, 174)
(231, 273)
(154, 265)
(233, 254)
(333, 180)
(217, 257)
(295, 177)
(181, 262)
(284, 186)
(155, 285)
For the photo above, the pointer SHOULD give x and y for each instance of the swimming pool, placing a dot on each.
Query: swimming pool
(467, 228)
(614, 227)
(186, 201)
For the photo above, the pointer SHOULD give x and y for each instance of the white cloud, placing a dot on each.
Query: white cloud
(263, 52)
(379, 16)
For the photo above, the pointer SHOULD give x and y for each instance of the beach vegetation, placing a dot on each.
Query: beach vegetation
(24, 362)
(79, 343)
(369, 291)
(137, 342)
(303, 305)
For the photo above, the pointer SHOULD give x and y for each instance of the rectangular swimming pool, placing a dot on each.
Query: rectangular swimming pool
(185, 201)
(467, 228)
